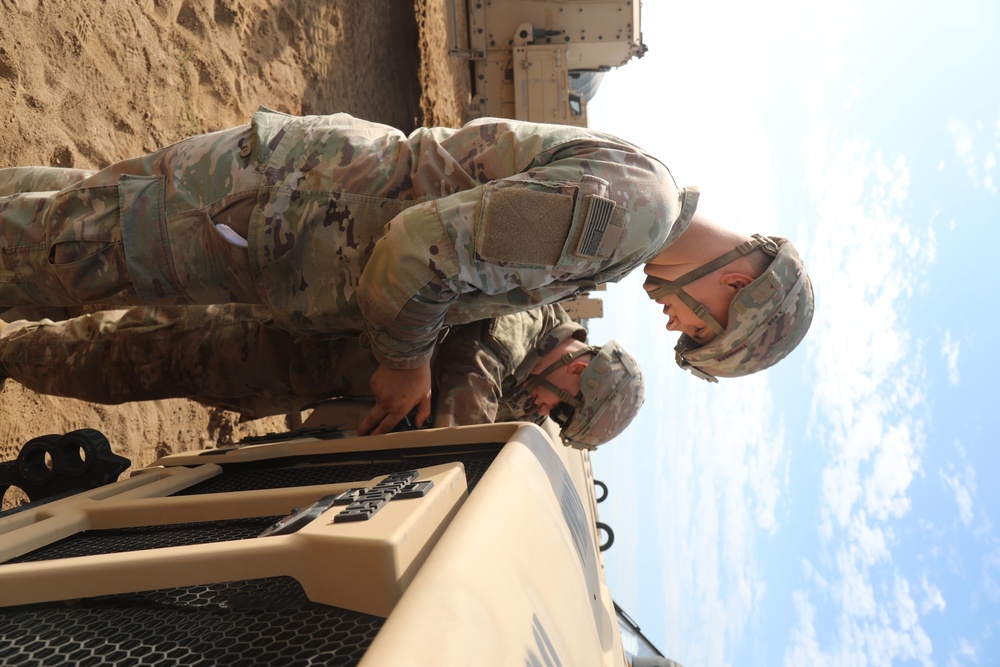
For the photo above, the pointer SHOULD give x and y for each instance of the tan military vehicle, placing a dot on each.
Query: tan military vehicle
(541, 60)
(473, 545)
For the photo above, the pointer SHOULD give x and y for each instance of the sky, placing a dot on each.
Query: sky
(839, 508)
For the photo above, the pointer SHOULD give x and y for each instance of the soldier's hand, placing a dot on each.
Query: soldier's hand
(397, 391)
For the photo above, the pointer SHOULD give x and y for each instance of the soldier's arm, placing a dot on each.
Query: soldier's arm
(510, 245)
(476, 360)
(469, 377)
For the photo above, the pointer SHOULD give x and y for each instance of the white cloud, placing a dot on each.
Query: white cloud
(975, 153)
(869, 393)
(804, 647)
(930, 247)
(991, 572)
(961, 135)
(950, 351)
(616, 462)
(933, 599)
(960, 479)
(865, 366)
(892, 470)
(719, 458)
(720, 488)
(966, 652)
(963, 495)
(875, 625)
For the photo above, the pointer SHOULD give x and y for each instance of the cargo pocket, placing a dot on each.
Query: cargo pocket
(85, 253)
(144, 234)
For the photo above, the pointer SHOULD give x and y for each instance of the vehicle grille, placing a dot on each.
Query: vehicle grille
(266, 621)
(260, 622)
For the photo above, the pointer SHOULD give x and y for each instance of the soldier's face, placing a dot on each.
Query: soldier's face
(681, 318)
(564, 378)
(712, 291)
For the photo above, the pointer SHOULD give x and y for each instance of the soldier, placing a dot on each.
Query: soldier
(521, 366)
(343, 228)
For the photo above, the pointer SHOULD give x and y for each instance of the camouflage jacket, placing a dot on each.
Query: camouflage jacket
(360, 228)
(480, 367)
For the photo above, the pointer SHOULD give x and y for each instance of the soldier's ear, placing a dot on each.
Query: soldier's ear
(735, 280)
(577, 366)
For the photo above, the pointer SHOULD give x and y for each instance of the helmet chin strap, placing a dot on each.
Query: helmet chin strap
(665, 287)
(542, 378)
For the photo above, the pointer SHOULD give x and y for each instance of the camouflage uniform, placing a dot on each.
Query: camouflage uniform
(352, 226)
(481, 367)
(231, 356)
(234, 356)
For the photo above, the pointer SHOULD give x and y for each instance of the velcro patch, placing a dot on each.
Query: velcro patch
(602, 228)
(523, 226)
(767, 287)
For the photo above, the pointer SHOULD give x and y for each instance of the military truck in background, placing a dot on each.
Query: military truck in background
(446, 546)
(542, 60)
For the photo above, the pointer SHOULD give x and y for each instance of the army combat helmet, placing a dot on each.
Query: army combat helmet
(767, 318)
(611, 393)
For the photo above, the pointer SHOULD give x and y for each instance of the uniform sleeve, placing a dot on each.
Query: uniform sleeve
(469, 377)
(510, 240)
(476, 361)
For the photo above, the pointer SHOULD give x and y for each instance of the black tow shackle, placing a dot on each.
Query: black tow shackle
(53, 464)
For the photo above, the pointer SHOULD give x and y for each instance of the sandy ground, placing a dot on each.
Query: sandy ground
(84, 84)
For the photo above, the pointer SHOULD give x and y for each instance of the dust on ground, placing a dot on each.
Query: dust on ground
(85, 84)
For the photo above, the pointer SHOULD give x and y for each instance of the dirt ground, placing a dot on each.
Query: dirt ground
(84, 84)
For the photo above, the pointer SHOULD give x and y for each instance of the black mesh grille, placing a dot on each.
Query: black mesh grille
(260, 622)
(118, 540)
(248, 477)
(263, 622)
(277, 475)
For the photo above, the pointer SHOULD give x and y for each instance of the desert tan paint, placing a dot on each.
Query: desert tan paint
(523, 51)
(511, 571)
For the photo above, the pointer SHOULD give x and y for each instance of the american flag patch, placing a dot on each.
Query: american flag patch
(602, 227)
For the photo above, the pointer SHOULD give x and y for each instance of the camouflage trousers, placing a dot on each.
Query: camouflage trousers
(140, 231)
(230, 356)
